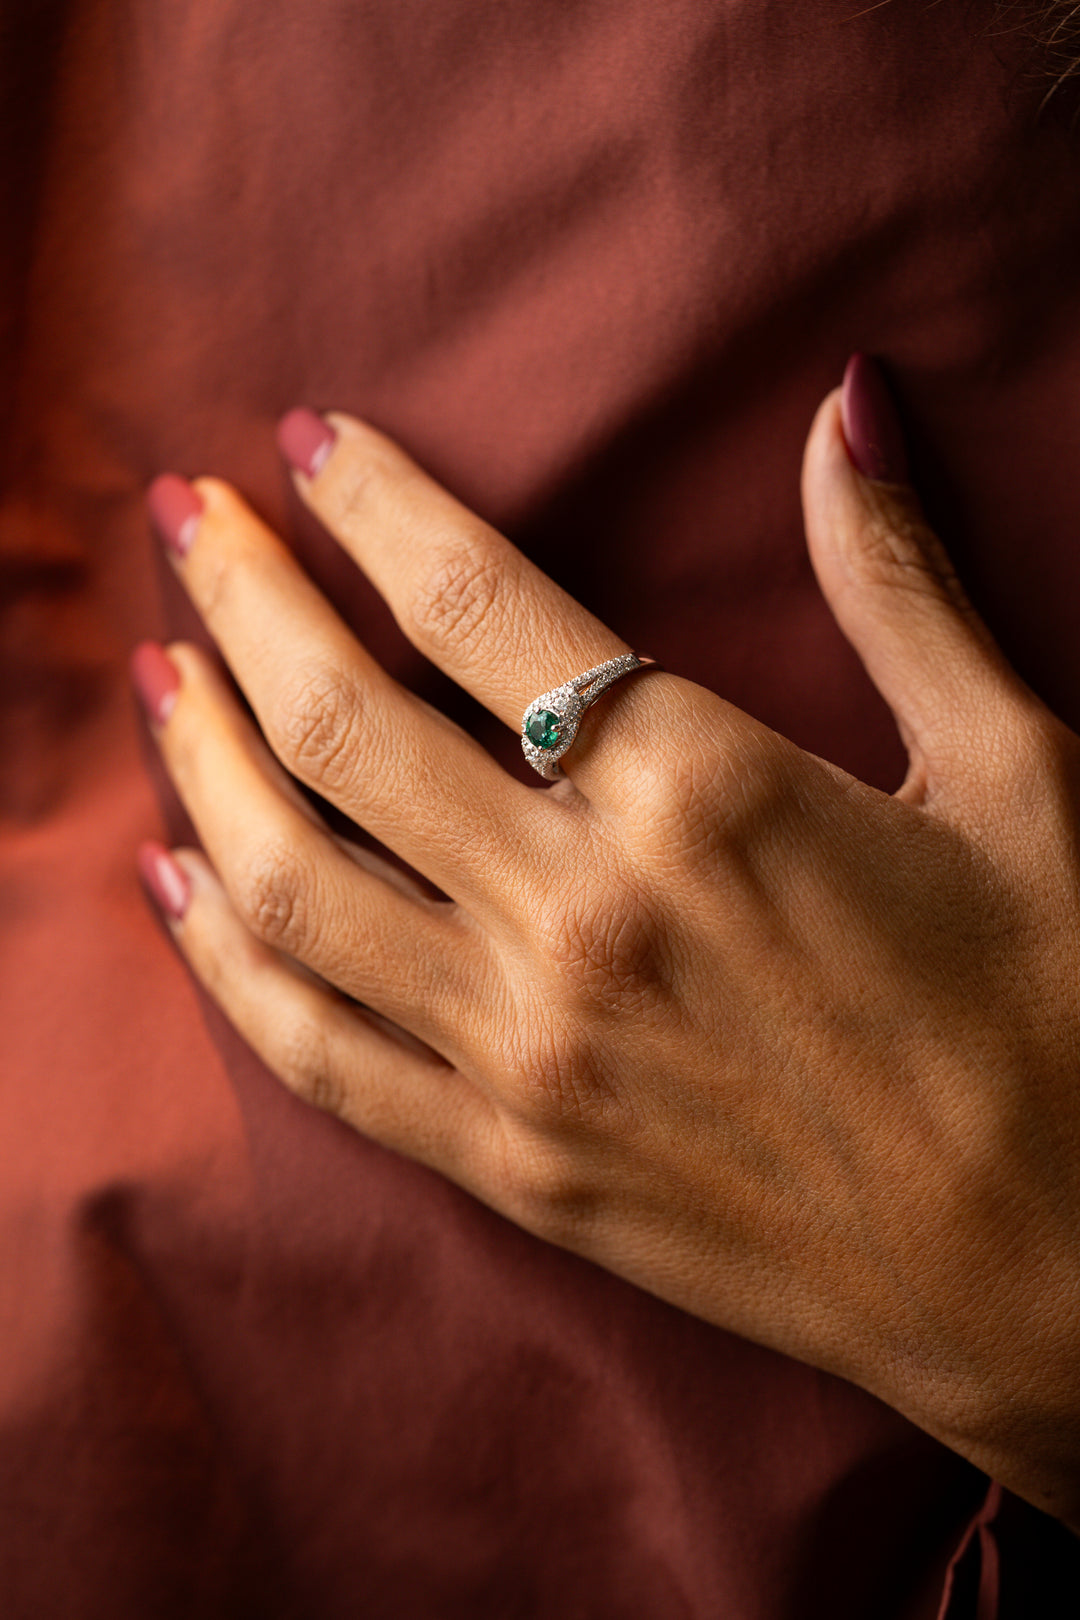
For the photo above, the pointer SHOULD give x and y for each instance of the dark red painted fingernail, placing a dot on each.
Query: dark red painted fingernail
(305, 440)
(871, 427)
(168, 883)
(157, 680)
(175, 510)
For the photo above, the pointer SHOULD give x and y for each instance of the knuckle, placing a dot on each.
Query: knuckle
(302, 1062)
(553, 1074)
(363, 479)
(661, 783)
(217, 579)
(606, 949)
(699, 831)
(716, 799)
(1034, 760)
(315, 722)
(456, 602)
(758, 791)
(895, 548)
(271, 896)
(683, 806)
(542, 1185)
(219, 569)
(1037, 742)
(890, 552)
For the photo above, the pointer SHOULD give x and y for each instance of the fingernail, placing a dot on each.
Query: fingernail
(874, 439)
(157, 681)
(305, 440)
(175, 510)
(167, 882)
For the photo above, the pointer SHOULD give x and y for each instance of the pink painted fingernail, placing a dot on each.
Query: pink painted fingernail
(175, 510)
(157, 681)
(305, 440)
(871, 427)
(168, 883)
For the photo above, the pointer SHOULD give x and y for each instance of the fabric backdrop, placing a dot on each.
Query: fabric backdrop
(594, 262)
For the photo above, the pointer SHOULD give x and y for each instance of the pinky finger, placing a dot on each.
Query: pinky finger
(328, 1051)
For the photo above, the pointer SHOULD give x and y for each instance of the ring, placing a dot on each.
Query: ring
(550, 723)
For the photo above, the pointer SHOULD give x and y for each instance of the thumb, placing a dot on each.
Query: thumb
(891, 586)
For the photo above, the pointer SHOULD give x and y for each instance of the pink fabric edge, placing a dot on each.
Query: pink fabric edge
(980, 1528)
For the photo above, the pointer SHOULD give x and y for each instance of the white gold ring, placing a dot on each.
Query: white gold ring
(550, 723)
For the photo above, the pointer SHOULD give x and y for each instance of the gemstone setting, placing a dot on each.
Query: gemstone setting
(544, 728)
(549, 725)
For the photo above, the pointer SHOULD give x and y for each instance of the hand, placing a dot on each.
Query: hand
(797, 1055)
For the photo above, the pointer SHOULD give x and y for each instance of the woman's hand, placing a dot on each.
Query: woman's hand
(801, 1057)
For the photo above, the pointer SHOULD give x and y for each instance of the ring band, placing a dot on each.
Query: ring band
(550, 723)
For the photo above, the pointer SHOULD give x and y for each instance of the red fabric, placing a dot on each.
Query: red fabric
(595, 264)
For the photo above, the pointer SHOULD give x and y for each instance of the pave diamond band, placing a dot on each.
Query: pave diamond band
(549, 725)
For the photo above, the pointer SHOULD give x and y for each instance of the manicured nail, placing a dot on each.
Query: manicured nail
(167, 882)
(157, 681)
(871, 427)
(175, 510)
(305, 440)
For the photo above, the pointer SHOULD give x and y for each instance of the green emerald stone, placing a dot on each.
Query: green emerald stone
(544, 728)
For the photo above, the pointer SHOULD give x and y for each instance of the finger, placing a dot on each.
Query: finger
(416, 960)
(157, 679)
(893, 590)
(328, 1052)
(332, 716)
(467, 598)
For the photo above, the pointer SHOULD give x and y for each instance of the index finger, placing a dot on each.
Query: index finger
(467, 598)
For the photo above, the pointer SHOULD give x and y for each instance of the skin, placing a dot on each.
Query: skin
(794, 1054)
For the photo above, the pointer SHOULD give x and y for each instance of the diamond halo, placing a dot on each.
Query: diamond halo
(556, 714)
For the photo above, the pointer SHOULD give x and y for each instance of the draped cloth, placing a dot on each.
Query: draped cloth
(594, 264)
